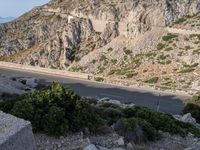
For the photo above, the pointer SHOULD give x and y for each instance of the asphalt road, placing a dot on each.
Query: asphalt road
(142, 97)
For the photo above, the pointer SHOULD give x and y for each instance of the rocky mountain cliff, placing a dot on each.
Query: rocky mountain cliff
(47, 36)
(95, 36)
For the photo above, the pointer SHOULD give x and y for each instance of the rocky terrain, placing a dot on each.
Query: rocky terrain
(11, 85)
(107, 137)
(110, 140)
(114, 142)
(118, 41)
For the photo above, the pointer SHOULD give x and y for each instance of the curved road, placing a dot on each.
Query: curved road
(149, 98)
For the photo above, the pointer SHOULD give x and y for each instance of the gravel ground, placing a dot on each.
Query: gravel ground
(113, 142)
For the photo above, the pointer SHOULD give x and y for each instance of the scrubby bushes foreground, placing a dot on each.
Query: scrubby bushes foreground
(54, 110)
(57, 110)
(193, 106)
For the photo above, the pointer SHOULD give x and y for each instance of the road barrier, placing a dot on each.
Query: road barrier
(45, 70)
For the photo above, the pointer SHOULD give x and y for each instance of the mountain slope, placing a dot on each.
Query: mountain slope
(116, 39)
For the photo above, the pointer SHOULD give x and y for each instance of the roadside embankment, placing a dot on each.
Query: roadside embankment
(44, 70)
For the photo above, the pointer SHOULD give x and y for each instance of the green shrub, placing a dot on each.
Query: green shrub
(111, 72)
(151, 133)
(160, 46)
(99, 79)
(162, 121)
(179, 21)
(103, 58)
(191, 66)
(113, 61)
(130, 75)
(110, 49)
(152, 80)
(101, 69)
(111, 115)
(168, 49)
(193, 106)
(194, 110)
(127, 51)
(136, 130)
(195, 35)
(196, 52)
(169, 37)
(54, 110)
(188, 47)
(186, 70)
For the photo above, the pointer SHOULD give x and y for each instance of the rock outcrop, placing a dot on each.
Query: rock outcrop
(15, 133)
(62, 31)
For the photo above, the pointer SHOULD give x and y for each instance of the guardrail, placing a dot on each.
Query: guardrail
(45, 70)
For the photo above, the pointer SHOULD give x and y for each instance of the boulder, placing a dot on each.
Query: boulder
(91, 147)
(15, 133)
(30, 82)
(188, 118)
(10, 87)
(120, 141)
(115, 102)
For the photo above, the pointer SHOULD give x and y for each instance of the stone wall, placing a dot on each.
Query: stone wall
(15, 133)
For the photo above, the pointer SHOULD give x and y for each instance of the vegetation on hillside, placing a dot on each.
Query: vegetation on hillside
(57, 110)
(54, 110)
(193, 106)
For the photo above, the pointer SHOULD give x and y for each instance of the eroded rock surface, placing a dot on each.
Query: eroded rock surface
(54, 34)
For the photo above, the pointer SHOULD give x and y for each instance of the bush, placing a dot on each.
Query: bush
(161, 121)
(152, 80)
(99, 79)
(194, 110)
(110, 49)
(160, 46)
(111, 115)
(54, 110)
(127, 51)
(186, 70)
(191, 66)
(130, 75)
(136, 130)
(193, 106)
(179, 21)
(113, 61)
(169, 37)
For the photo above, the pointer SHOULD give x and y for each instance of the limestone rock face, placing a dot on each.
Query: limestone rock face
(180, 8)
(56, 34)
(15, 133)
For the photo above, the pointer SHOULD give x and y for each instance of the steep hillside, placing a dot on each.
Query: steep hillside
(118, 39)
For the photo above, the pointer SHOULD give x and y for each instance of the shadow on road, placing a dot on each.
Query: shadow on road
(168, 103)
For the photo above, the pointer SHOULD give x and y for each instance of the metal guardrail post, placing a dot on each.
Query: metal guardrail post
(158, 103)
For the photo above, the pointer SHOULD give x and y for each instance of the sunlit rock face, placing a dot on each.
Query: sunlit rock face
(52, 35)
